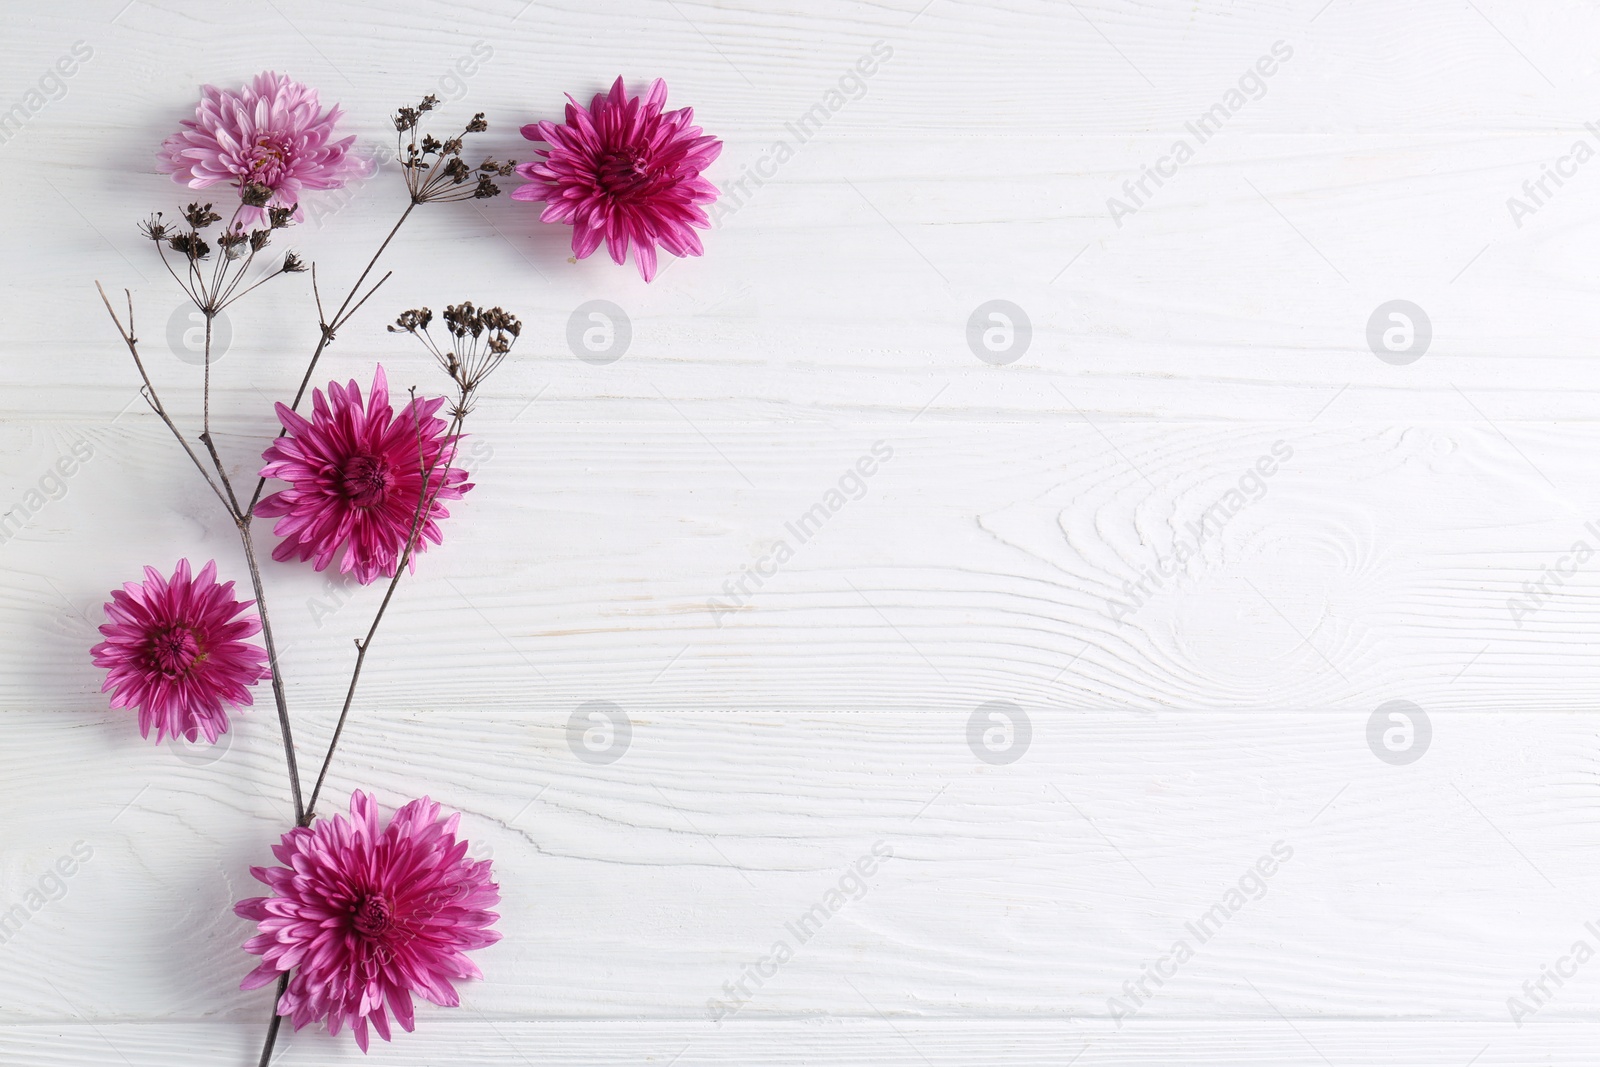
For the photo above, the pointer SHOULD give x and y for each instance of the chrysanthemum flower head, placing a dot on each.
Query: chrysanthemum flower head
(271, 132)
(355, 474)
(363, 917)
(175, 649)
(623, 172)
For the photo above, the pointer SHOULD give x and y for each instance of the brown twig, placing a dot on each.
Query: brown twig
(154, 399)
(277, 1021)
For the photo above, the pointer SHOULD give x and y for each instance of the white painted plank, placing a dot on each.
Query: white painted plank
(1034, 888)
(979, 563)
(484, 1041)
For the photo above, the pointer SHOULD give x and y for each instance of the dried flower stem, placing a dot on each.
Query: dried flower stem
(205, 403)
(433, 171)
(277, 1021)
(150, 395)
(278, 695)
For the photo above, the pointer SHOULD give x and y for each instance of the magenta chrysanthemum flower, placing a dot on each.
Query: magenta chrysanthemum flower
(625, 172)
(270, 132)
(356, 482)
(175, 649)
(363, 918)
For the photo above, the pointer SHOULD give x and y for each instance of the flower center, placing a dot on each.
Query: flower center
(622, 172)
(373, 915)
(268, 157)
(173, 651)
(366, 481)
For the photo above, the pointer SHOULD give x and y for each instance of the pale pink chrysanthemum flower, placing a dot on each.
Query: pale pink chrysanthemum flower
(363, 917)
(624, 172)
(356, 480)
(175, 649)
(271, 132)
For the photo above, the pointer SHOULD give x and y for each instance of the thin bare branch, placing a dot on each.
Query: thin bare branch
(154, 399)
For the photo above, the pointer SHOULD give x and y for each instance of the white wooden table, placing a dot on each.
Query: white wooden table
(1413, 541)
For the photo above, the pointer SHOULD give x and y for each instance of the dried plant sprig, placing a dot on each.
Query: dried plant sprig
(434, 169)
(226, 282)
(211, 294)
(213, 259)
(212, 283)
(482, 338)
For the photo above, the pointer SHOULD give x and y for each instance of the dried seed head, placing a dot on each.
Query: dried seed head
(433, 168)
(190, 244)
(482, 337)
(200, 216)
(411, 321)
(233, 243)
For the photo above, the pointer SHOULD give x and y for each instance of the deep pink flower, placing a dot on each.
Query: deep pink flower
(364, 918)
(175, 649)
(355, 479)
(625, 172)
(269, 132)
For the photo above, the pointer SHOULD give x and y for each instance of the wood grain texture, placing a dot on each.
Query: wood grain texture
(1196, 534)
(892, 1042)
